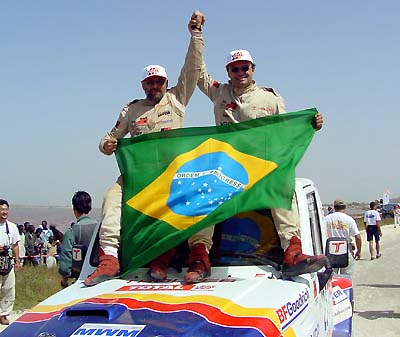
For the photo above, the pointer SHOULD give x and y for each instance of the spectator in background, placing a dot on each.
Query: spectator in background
(341, 225)
(79, 233)
(57, 234)
(9, 238)
(45, 235)
(51, 248)
(379, 206)
(396, 214)
(372, 222)
(58, 237)
(41, 224)
(38, 243)
(58, 248)
(45, 238)
(26, 226)
(21, 244)
(30, 240)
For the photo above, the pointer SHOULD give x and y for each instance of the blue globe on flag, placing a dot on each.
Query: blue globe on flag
(202, 184)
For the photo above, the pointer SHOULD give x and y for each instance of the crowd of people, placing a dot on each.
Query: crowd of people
(53, 248)
(39, 245)
(29, 245)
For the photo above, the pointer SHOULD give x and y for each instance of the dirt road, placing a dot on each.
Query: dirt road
(377, 289)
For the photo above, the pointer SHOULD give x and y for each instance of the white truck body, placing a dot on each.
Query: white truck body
(237, 300)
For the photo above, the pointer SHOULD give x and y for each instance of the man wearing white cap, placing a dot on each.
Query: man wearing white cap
(341, 225)
(160, 110)
(236, 101)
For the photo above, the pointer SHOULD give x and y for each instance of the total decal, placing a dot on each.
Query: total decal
(89, 329)
(289, 311)
(175, 284)
(165, 287)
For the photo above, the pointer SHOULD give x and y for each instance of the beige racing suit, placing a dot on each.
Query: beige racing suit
(139, 117)
(234, 106)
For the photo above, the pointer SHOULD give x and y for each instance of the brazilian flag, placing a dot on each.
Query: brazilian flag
(180, 181)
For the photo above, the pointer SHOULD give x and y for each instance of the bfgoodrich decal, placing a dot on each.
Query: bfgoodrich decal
(289, 311)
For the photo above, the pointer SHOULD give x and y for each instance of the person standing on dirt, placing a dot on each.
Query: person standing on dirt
(341, 225)
(161, 110)
(372, 222)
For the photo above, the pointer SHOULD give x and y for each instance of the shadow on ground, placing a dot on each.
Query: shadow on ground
(372, 315)
(383, 286)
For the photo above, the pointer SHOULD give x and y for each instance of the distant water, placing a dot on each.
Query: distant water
(62, 217)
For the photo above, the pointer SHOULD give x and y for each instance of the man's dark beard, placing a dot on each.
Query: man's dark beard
(155, 98)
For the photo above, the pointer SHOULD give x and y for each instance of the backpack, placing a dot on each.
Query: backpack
(82, 235)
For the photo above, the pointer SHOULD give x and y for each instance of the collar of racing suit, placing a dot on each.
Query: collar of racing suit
(241, 91)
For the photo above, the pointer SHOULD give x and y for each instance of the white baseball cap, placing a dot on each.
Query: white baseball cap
(154, 70)
(238, 55)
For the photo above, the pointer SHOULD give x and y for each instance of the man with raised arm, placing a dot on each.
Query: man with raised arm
(161, 109)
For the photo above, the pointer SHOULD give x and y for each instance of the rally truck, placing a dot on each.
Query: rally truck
(247, 294)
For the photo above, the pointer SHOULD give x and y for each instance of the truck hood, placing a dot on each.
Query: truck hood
(254, 305)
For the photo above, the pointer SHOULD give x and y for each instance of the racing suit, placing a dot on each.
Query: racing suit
(140, 117)
(234, 106)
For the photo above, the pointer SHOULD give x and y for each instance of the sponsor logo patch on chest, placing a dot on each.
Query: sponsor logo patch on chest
(164, 113)
(231, 106)
(141, 121)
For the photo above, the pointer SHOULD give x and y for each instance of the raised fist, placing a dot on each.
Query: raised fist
(196, 21)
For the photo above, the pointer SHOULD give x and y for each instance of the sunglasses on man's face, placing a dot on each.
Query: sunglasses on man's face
(158, 82)
(242, 68)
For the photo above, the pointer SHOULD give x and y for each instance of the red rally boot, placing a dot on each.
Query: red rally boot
(107, 269)
(159, 267)
(296, 263)
(199, 264)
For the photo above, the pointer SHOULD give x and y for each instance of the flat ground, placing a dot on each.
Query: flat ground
(377, 289)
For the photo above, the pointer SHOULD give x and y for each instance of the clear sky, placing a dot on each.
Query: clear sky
(67, 68)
